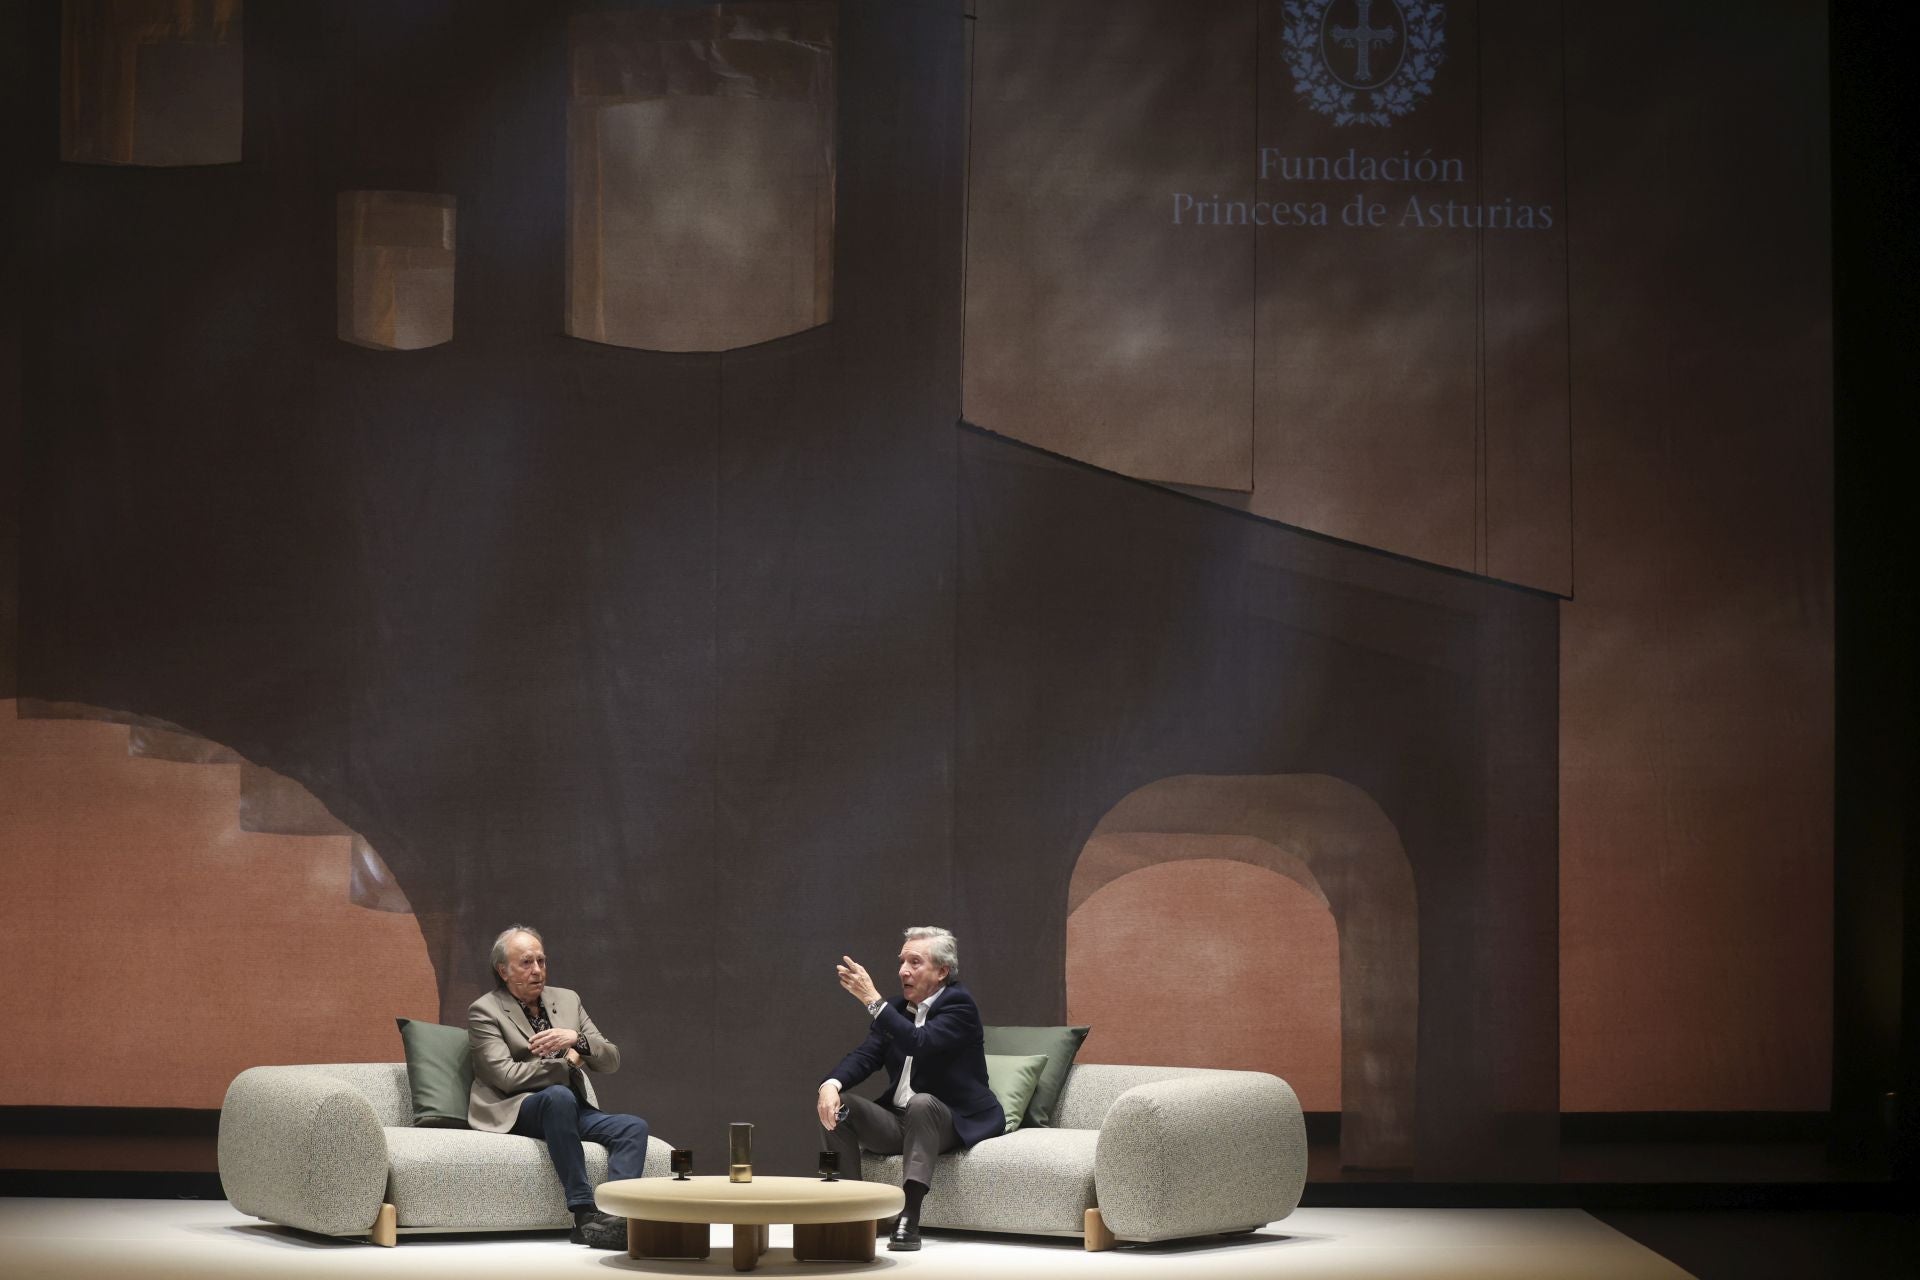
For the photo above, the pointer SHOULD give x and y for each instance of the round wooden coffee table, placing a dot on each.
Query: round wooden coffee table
(670, 1218)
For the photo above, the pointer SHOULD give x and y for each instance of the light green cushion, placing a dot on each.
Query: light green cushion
(1059, 1044)
(1013, 1080)
(439, 1073)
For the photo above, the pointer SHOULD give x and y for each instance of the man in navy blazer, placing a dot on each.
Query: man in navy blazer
(930, 1041)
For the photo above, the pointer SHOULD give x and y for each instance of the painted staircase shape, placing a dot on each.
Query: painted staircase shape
(270, 803)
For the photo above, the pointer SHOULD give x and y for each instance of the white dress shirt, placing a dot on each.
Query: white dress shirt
(905, 1090)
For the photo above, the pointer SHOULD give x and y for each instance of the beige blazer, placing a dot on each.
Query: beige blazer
(505, 1070)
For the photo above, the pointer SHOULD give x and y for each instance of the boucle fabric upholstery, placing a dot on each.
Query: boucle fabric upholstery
(1092, 1088)
(301, 1147)
(1224, 1151)
(1163, 1152)
(321, 1147)
(384, 1084)
(436, 1175)
(1038, 1181)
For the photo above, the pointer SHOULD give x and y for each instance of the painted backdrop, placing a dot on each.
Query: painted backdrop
(1465, 709)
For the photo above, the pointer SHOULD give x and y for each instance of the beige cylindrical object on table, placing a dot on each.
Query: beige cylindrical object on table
(740, 1152)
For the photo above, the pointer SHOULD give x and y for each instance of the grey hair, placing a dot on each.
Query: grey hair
(945, 950)
(498, 956)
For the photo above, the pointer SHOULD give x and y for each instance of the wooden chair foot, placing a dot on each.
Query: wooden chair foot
(1098, 1238)
(386, 1231)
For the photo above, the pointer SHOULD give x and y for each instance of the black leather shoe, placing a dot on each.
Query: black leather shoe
(598, 1230)
(905, 1237)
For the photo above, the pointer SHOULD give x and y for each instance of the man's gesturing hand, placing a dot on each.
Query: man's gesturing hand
(855, 980)
(828, 1105)
(552, 1042)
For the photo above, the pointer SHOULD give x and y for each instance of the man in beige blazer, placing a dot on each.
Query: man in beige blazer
(530, 1043)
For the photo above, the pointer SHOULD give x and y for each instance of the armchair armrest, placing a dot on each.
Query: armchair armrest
(303, 1149)
(1196, 1154)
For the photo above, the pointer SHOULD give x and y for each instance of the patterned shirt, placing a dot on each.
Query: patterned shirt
(538, 1020)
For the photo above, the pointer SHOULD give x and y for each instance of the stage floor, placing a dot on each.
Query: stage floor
(83, 1239)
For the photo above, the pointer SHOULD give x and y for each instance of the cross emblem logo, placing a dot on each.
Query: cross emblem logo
(1361, 37)
(1363, 62)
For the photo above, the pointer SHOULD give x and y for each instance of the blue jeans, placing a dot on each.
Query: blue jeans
(557, 1114)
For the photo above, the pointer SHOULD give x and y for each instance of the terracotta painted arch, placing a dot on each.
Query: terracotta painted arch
(1209, 961)
(1331, 837)
(197, 914)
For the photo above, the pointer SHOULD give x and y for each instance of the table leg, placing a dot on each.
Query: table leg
(833, 1241)
(749, 1242)
(649, 1239)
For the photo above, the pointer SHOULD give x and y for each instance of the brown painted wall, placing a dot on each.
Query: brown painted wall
(1697, 653)
(186, 948)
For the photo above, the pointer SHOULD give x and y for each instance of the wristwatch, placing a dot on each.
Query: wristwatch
(875, 1005)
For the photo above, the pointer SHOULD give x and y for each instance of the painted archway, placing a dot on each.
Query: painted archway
(197, 913)
(1209, 962)
(1332, 838)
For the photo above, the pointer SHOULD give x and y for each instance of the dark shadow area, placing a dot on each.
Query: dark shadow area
(290, 1238)
(287, 1237)
(1876, 972)
(97, 1184)
(1215, 1244)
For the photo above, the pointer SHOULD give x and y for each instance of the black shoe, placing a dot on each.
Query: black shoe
(905, 1237)
(598, 1230)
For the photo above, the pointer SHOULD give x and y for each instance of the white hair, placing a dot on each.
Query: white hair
(498, 956)
(945, 950)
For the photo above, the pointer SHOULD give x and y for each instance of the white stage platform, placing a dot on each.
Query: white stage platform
(84, 1239)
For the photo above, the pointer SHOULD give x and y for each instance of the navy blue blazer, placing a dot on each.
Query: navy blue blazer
(949, 1060)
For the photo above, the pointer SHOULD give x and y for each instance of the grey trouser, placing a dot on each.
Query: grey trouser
(920, 1133)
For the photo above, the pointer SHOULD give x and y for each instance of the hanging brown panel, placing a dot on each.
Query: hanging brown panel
(1527, 508)
(1412, 386)
(1365, 410)
(700, 175)
(395, 287)
(1204, 248)
(1104, 319)
(150, 82)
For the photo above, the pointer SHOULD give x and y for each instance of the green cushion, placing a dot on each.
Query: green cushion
(1013, 1080)
(1059, 1044)
(439, 1073)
